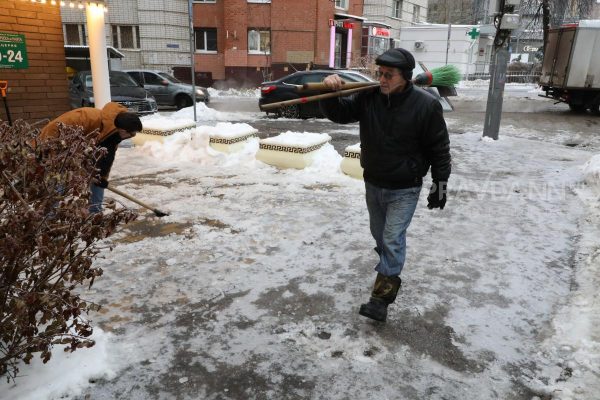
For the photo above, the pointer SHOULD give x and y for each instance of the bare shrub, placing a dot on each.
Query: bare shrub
(48, 241)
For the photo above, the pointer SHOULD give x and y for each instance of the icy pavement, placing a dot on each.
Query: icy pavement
(250, 288)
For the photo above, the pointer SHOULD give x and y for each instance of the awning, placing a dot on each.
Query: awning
(356, 17)
(83, 52)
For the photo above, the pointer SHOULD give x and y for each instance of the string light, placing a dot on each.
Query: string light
(80, 4)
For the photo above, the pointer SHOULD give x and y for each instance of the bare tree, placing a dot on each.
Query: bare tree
(546, 14)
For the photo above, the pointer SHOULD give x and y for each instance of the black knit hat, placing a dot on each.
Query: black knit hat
(398, 58)
(128, 121)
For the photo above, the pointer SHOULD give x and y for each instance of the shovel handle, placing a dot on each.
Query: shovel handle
(141, 203)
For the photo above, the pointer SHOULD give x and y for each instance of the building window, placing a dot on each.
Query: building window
(206, 39)
(259, 41)
(259, 1)
(74, 34)
(343, 4)
(126, 36)
(397, 9)
(416, 12)
(204, 1)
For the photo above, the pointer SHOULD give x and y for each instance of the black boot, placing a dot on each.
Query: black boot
(384, 293)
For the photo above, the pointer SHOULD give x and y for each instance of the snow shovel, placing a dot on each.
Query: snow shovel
(156, 211)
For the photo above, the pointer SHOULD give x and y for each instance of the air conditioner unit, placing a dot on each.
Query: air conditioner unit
(419, 45)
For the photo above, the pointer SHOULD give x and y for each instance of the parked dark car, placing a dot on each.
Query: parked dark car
(281, 90)
(123, 89)
(168, 90)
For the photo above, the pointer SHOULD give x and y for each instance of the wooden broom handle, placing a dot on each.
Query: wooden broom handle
(346, 85)
(339, 93)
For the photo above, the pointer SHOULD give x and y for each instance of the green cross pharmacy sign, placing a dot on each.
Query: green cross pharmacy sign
(13, 51)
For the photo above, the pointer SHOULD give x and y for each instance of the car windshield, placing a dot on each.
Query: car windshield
(120, 79)
(168, 77)
(356, 77)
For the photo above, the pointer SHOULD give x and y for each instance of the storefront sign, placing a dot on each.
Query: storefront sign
(530, 48)
(13, 51)
(375, 31)
(344, 23)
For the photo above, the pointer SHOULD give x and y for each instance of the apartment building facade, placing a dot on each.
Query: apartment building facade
(384, 22)
(236, 42)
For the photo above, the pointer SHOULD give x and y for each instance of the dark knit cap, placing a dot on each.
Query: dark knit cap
(128, 121)
(398, 58)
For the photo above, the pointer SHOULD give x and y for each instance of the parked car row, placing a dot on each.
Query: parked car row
(123, 89)
(140, 91)
(168, 90)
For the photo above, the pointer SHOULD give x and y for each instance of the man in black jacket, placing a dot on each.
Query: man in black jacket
(402, 134)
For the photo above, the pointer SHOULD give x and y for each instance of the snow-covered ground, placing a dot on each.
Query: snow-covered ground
(250, 288)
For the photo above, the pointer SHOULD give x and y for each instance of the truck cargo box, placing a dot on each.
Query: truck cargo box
(572, 56)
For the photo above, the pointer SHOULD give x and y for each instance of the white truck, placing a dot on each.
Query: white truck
(571, 66)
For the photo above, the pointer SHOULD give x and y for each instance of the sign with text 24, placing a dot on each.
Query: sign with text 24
(13, 51)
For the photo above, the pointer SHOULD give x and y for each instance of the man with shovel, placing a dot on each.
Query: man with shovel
(113, 124)
(402, 135)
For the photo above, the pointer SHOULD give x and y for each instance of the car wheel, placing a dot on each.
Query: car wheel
(577, 108)
(291, 111)
(182, 102)
(595, 109)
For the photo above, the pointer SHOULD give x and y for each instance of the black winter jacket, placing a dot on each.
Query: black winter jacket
(401, 135)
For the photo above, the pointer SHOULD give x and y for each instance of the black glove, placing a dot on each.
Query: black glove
(101, 182)
(437, 195)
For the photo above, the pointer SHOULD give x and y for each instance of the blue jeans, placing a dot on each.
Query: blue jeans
(96, 198)
(390, 213)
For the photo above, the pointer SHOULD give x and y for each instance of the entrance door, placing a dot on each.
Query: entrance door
(340, 49)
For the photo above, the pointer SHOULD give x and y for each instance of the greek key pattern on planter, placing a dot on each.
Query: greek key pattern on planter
(159, 132)
(290, 149)
(351, 154)
(231, 140)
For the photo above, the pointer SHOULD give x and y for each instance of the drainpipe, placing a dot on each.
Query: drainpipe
(349, 47)
(331, 43)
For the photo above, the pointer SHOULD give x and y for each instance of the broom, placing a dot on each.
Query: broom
(448, 75)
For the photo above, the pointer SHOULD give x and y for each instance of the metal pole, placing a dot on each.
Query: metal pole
(449, 28)
(192, 51)
(493, 111)
(500, 58)
(448, 42)
(7, 110)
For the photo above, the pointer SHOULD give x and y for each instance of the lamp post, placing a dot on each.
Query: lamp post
(192, 61)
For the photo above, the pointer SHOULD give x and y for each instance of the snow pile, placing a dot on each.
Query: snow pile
(204, 113)
(234, 92)
(160, 122)
(192, 145)
(66, 374)
(228, 130)
(297, 139)
(591, 173)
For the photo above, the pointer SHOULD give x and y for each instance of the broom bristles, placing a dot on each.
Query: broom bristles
(448, 75)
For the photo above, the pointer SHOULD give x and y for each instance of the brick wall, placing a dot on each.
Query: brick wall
(40, 91)
(299, 35)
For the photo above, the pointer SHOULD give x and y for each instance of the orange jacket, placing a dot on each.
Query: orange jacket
(89, 119)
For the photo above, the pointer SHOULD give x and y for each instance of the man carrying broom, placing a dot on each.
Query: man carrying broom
(402, 135)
